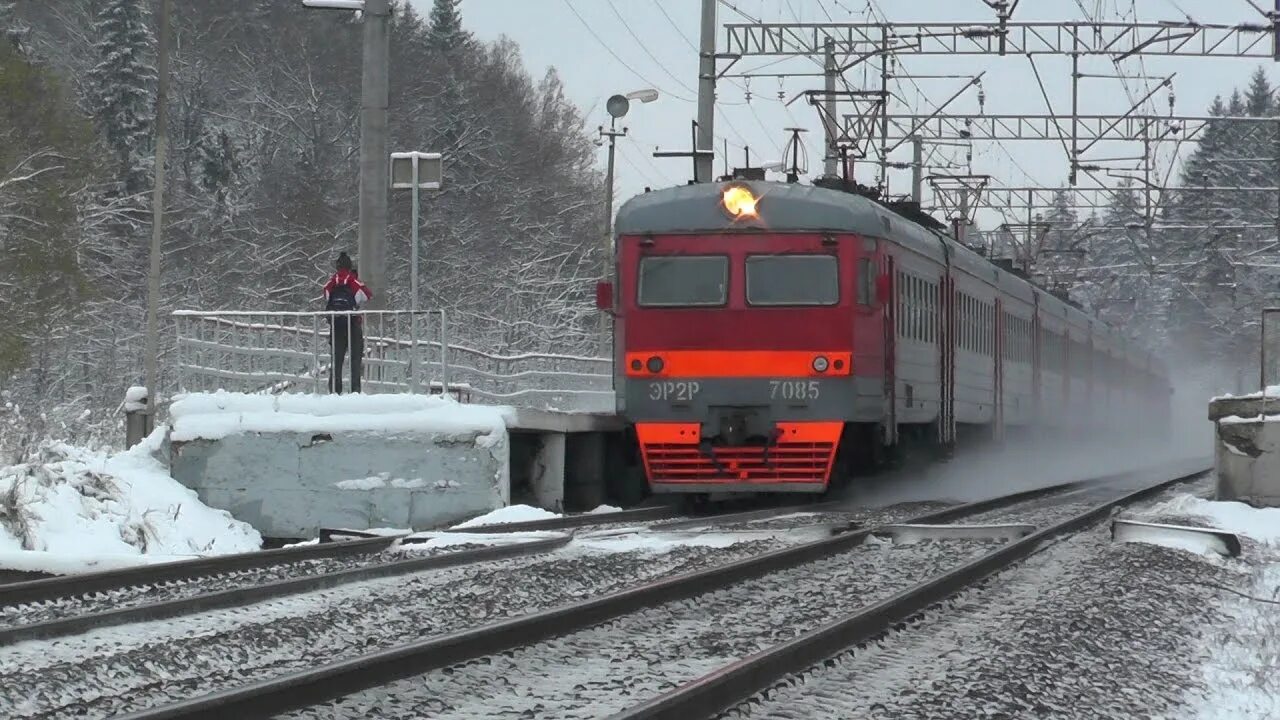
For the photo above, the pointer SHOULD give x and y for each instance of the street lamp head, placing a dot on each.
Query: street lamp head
(618, 105)
(334, 4)
(646, 95)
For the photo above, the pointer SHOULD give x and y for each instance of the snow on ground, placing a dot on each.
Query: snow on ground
(604, 509)
(509, 514)
(135, 399)
(1260, 524)
(448, 539)
(73, 510)
(659, 542)
(1273, 391)
(211, 416)
(1243, 671)
(384, 480)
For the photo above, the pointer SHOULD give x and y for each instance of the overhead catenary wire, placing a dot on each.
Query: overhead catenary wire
(627, 26)
(615, 55)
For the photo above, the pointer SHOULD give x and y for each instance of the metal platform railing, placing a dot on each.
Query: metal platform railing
(404, 352)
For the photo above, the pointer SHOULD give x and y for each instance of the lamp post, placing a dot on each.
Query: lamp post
(375, 92)
(415, 171)
(618, 106)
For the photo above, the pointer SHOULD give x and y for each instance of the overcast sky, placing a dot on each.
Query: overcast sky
(601, 47)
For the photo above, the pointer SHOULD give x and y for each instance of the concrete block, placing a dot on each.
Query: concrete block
(584, 481)
(290, 484)
(546, 476)
(1247, 449)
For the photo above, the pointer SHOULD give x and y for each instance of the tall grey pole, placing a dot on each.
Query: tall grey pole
(830, 165)
(606, 327)
(608, 204)
(413, 285)
(917, 169)
(373, 150)
(152, 359)
(705, 166)
(413, 251)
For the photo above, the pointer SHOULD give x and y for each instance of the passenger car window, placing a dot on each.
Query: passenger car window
(793, 280)
(866, 281)
(683, 280)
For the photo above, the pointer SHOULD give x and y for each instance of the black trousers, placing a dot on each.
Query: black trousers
(347, 330)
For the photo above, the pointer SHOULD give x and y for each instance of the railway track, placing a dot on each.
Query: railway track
(550, 633)
(66, 605)
(780, 665)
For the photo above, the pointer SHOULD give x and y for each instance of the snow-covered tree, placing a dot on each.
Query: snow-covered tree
(123, 80)
(446, 33)
(1258, 100)
(12, 28)
(265, 137)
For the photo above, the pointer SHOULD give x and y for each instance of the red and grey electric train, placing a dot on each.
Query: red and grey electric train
(771, 336)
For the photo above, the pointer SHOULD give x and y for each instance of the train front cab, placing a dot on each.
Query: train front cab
(745, 355)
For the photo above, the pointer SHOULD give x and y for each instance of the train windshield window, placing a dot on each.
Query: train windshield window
(793, 280)
(681, 281)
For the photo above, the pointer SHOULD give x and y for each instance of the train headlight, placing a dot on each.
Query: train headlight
(820, 364)
(655, 364)
(739, 202)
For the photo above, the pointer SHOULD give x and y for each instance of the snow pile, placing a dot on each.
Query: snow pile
(71, 509)
(216, 415)
(384, 480)
(1240, 679)
(509, 514)
(657, 543)
(135, 399)
(524, 513)
(1238, 420)
(448, 539)
(1273, 391)
(1260, 524)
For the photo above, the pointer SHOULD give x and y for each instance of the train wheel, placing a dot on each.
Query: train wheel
(697, 503)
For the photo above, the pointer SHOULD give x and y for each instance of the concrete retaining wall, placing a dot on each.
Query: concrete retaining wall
(1247, 449)
(290, 484)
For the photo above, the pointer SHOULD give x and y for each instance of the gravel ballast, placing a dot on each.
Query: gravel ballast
(1085, 629)
(134, 595)
(122, 669)
(594, 672)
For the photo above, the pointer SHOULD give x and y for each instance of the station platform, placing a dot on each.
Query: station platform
(291, 464)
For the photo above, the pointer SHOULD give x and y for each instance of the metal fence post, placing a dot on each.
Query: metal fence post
(444, 355)
(315, 352)
(182, 355)
(413, 353)
(138, 421)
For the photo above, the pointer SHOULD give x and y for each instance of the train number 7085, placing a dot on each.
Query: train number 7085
(794, 390)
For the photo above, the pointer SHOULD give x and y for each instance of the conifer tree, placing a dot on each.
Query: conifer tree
(122, 87)
(11, 27)
(445, 32)
(1258, 101)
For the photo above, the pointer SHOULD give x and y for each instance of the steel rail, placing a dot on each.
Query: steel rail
(751, 515)
(714, 692)
(35, 591)
(657, 512)
(268, 591)
(305, 688)
(567, 522)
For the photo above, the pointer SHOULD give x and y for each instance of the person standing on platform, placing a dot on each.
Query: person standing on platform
(344, 293)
